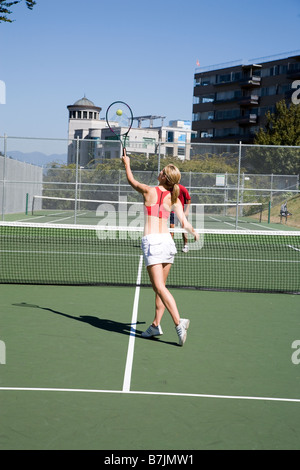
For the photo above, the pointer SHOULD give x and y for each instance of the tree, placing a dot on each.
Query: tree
(275, 152)
(282, 127)
(5, 9)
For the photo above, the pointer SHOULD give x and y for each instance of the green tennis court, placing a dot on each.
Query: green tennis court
(76, 374)
(77, 377)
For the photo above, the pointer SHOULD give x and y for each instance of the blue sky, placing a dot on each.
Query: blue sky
(141, 52)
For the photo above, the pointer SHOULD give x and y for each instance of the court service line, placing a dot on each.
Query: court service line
(129, 360)
(162, 394)
(36, 217)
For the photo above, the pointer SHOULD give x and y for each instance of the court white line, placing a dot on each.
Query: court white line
(129, 360)
(293, 247)
(199, 258)
(162, 394)
(36, 217)
(264, 227)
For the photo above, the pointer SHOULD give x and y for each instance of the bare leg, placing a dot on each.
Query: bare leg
(159, 305)
(158, 274)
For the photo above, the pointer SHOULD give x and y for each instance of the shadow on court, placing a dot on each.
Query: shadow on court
(101, 323)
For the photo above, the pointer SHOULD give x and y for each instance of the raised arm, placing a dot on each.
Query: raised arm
(140, 187)
(183, 220)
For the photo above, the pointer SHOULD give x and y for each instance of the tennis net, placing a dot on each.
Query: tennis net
(124, 212)
(236, 260)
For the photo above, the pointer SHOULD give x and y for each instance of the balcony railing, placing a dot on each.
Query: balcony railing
(247, 120)
(251, 100)
(250, 82)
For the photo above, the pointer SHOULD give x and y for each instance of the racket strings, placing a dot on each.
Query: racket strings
(119, 118)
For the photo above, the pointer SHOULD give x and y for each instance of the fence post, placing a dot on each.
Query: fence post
(4, 176)
(26, 204)
(76, 179)
(238, 187)
(158, 168)
(271, 187)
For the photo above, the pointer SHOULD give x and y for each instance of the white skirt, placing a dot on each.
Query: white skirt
(158, 248)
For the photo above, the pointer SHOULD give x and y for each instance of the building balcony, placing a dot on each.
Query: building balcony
(227, 100)
(247, 120)
(226, 82)
(250, 82)
(252, 100)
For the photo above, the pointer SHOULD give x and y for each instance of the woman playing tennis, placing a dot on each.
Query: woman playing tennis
(157, 244)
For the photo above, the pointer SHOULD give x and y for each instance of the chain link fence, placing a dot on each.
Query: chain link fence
(61, 174)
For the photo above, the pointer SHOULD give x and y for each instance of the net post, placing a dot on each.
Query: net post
(269, 212)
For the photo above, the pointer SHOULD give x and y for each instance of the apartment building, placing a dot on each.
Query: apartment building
(231, 100)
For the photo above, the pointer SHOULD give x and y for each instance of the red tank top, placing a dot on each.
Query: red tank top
(158, 210)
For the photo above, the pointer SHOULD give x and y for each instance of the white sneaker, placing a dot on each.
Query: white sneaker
(185, 249)
(182, 330)
(152, 331)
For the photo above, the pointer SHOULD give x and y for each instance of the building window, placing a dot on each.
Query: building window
(206, 133)
(84, 114)
(207, 98)
(267, 91)
(283, 69)
(282, 89)
(204, 81)
(224, 78)
(170, 136)
(90, 115)
(227, 132)
(263, 111)
(272, 71)
(294, 67)
(228, 95)
(79, 114)
(208, 115)
(148, 141)
(229, 77)
(227, 114)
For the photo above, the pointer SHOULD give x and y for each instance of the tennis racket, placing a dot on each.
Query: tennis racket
(119, 119)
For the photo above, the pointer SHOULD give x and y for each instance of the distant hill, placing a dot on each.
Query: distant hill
(37, 158)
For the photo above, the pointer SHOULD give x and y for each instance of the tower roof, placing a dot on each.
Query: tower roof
(83, 102)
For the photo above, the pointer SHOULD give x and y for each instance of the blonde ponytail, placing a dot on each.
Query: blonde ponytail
(175, 193)
(173, 177)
